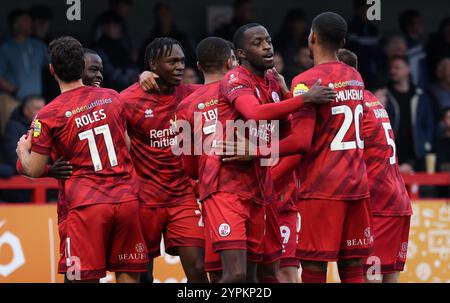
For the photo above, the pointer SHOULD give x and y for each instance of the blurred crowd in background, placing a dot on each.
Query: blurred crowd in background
(409, 72)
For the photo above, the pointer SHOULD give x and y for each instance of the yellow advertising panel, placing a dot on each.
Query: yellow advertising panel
(29, 247)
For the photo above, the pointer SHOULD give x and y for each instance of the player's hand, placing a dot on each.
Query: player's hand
(60, 170)
(406, 168)
(280, 79)
(241, 150)
(147, 80)
(319, 95)
(24, 145)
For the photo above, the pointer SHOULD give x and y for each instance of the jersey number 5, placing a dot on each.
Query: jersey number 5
(337, 143)
(95, 156)
(390, 141)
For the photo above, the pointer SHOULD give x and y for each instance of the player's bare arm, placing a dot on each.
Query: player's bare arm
(33, 164)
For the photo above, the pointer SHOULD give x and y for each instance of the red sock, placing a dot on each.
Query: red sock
(351, 274)
(310, 276)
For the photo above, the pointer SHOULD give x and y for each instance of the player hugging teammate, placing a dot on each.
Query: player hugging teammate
(334, 195)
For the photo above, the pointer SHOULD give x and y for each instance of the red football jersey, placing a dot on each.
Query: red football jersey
(203, 104)
(151, 122)
(248, 179)
(333, 168)
(86, 127)
(387, 189)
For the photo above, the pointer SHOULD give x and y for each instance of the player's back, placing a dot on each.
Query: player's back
(86, 126)
(387, 189)
(334, 167)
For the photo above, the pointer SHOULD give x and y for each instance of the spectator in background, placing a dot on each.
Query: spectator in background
(365, 41)
(292, 35)
(243, 13)
(190, 76)
(165, 27)
(18, 126)
(121, 8)
(42, 19)
(439, 46)
(119, 69)
(21, 58)
(303, 60)
(411, 116)
(413, 28)
(440, 90)
(443, 150)
(396, 46)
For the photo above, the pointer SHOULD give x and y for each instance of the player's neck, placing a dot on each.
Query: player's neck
(253, 70)
(324, 56)
(65, 87)
(211, 78)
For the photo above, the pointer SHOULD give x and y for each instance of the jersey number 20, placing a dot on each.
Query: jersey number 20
(337, 143)
(89, 135)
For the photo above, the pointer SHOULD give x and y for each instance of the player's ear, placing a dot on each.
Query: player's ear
(240, 53)
(52, 70)
(343, 43)
(199, 66)
(152, 65)
(229, 64)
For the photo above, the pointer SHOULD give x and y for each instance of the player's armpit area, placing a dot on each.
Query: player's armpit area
(251, 109)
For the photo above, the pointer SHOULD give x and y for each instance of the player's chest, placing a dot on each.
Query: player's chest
(267, 93)
(153, 116)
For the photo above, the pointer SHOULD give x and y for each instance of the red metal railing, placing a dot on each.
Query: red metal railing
(40, 186)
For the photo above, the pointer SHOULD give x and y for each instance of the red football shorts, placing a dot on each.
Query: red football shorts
(289, 228)
(181, 225)
(334, 230)
(104, 237)
(273, 246)
(390, 245)
(236, 223)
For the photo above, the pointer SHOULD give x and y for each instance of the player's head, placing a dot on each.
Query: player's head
(31, 106)
(214, 56)
(348, 57)
(66, 59)
(20, 22)
(165, 57)
(254, 47)
(328, 32)
(93, 68)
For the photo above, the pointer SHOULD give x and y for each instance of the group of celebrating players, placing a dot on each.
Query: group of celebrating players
(334, 195)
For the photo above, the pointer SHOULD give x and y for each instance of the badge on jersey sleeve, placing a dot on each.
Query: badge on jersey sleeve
(37, 128)
(300, 89)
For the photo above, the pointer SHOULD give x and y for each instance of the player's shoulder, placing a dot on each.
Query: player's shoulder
(132, 90)
(237, 75)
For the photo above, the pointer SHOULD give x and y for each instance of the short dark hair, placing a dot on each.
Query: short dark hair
(238, 39)
(407, 17)
(67, 58)
(402, 58)
(88, 51)
(16, 14)
(348, 57)
(331, 29)
(212, 53)
(41, 12)
(158, 48)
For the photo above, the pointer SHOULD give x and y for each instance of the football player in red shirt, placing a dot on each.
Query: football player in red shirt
(237, 192)
(200, 111)
(168, 204)
(86, 126)
(391, 206)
